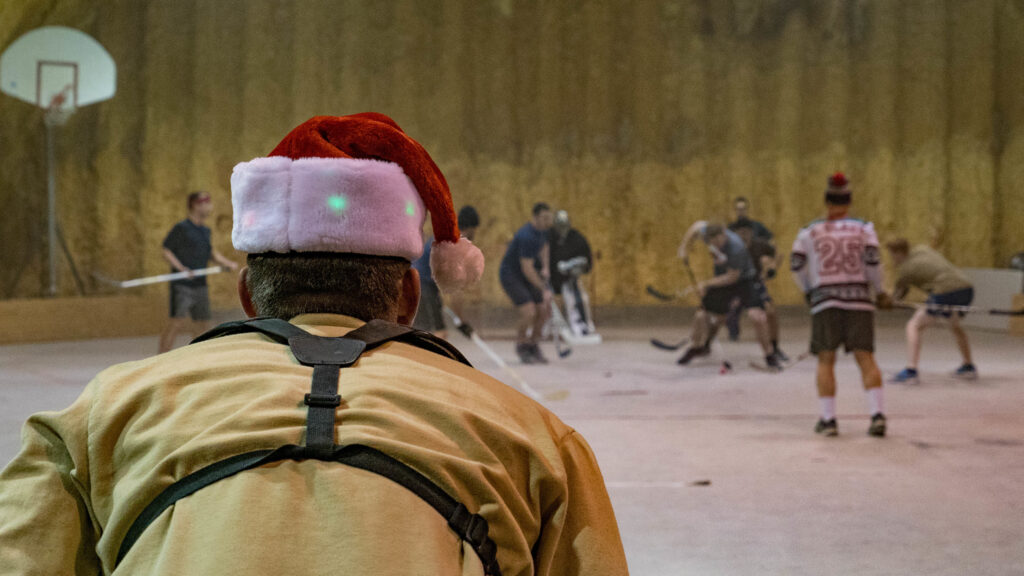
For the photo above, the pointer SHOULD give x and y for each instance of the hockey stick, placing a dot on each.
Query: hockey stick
(517, 379)
(665, 297)
(785, 365)
(662, 345)
(558, 322)
(954, 308)
(160, 278)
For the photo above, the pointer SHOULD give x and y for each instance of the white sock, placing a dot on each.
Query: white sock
(875, 400)
(828, 408)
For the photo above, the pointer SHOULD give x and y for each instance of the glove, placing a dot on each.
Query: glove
(883, 301)
(466, 329)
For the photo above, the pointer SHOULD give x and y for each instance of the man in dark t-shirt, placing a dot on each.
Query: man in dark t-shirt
(525, 276)
(186, 248)
(764, 256)
(570, 260)
(735, 278)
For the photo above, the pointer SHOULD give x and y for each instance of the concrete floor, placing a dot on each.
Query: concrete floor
(714, 474)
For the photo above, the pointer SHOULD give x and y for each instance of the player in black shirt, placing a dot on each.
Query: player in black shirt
(570, 260)
(763, 253)
(186, 248)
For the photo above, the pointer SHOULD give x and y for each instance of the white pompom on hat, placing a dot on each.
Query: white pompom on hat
(351, 184)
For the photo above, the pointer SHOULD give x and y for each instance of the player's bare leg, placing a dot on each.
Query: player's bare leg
(759, 318)
(915, 327)
(967, 369)
(872, 378)
(705, 326)
(540, 317)
(527, 317)
(170, 334)
(961, 339)
(826, 380)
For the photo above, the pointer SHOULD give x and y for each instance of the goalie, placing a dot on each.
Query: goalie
(571, 259)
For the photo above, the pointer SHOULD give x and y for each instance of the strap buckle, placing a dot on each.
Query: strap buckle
(322, 400)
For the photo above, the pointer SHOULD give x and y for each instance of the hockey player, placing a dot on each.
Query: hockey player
(525, 275)
(763, 254)
(835, 262)
(570, 260)
(735, 278)
(924, 268)
(430, 315)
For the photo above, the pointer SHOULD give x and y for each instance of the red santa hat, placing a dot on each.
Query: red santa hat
(354, 184)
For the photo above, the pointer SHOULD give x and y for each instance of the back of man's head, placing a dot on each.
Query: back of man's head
(287, 285)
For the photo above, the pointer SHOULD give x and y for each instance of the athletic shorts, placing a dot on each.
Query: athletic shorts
(190, 301)
(835, 327)
(429, 316)
(719, 300)
(762, 292)
(519, 290)
(956, 298)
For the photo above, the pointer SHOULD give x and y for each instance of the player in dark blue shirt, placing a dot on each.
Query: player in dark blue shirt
(188, 247)
(525, 276)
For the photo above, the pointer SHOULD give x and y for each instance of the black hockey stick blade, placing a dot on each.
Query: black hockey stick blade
(659, 294)
(667, 346)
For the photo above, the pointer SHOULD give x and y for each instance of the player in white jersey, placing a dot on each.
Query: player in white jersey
(836, 262)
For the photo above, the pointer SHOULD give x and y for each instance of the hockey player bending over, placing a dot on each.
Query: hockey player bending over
(735, 278)
(836, 263)
(570, 260)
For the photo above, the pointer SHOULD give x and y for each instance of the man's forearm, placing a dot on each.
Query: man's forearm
(174, 262)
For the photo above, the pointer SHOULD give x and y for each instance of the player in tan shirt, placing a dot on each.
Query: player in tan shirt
(321, 452)
(923, 268)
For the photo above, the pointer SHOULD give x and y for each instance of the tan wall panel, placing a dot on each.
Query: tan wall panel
(638, 117)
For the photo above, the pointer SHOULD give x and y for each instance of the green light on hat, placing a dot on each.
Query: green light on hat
(336, 203)
(410, 208)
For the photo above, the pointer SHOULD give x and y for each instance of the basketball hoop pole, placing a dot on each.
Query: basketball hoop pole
(51, 198)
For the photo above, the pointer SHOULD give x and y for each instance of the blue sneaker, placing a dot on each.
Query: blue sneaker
(907, 376)
(966, 372)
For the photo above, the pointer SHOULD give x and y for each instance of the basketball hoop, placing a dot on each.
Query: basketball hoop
(57, 69)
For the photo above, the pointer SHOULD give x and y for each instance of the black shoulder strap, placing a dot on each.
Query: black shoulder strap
(472, 528)
(374, 333)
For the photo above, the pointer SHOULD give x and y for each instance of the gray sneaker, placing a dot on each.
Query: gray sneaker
(877, 427)
(826, 428)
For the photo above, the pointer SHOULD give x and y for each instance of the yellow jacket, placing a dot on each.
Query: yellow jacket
(84, 474)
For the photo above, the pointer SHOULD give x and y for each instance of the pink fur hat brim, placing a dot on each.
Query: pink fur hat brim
(360, 206)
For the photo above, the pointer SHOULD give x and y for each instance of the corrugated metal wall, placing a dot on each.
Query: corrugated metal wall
(638, 117)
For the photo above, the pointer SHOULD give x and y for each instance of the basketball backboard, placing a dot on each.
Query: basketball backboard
(57, 68)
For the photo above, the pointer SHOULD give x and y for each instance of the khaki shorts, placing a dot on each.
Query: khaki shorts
(835, 327)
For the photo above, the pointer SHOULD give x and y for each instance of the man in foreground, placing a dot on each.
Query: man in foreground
(187, 247)
(525, 276)
(923, 268)
(836, 264)
(341, 441)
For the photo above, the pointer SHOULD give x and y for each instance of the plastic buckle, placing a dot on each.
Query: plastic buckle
(323, 400)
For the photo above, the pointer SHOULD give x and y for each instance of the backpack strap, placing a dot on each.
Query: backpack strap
(374, 333)
(472, 528)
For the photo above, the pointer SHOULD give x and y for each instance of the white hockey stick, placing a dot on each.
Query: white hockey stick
(160, 278)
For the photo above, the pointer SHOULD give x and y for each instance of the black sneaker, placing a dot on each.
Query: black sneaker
(773, 362)
(693, 352)
(781, 355)
(826, 428)
(525, 353)
(538, 357)
(877, 427)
